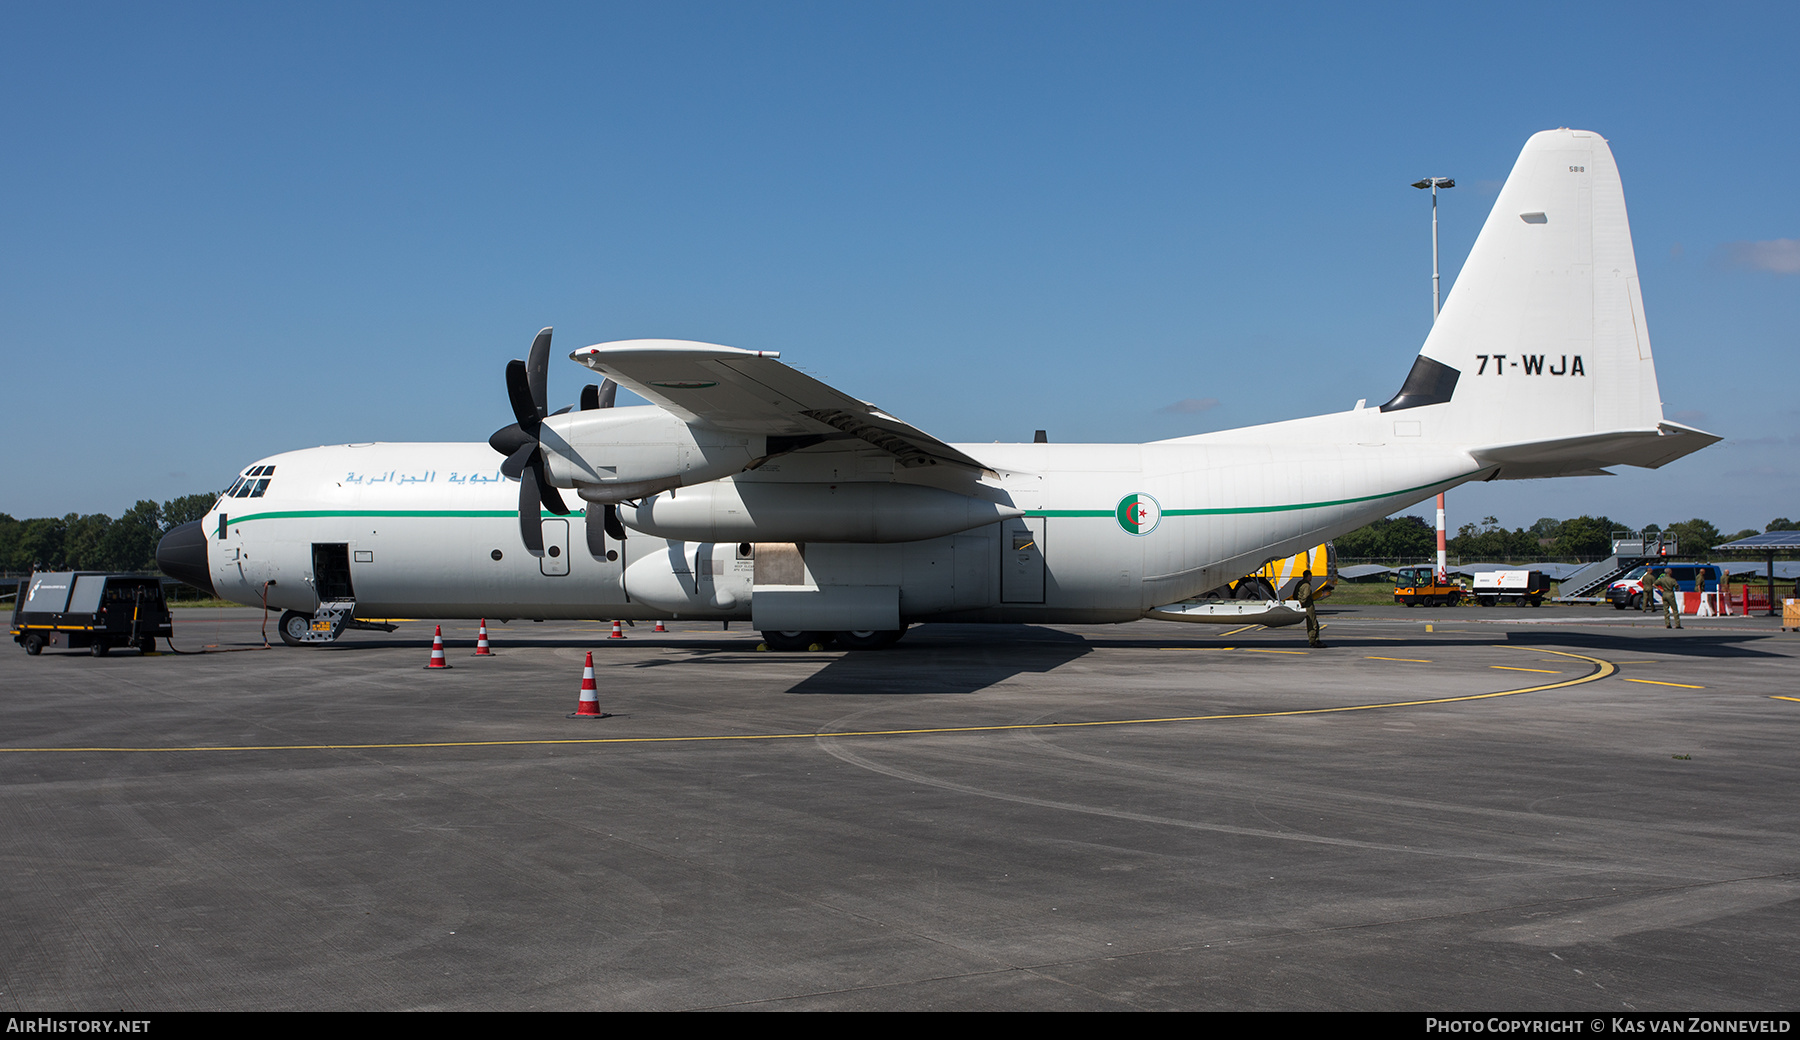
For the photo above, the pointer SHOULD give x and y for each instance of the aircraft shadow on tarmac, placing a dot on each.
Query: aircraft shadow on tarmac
(947, 659)
(1720, 645)
(952, 658)
(1711, 645)
(934, 659)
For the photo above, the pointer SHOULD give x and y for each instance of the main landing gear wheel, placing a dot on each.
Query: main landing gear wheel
(869, 640)
(293, 627)
(795, 640)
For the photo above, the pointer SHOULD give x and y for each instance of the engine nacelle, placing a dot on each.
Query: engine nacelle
(693, 579)
(616, 454)
(856, 511)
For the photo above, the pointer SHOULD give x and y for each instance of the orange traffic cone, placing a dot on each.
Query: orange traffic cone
(437, 649)
(588, 707)
(659, 626)
(481, 643)
(618, 633)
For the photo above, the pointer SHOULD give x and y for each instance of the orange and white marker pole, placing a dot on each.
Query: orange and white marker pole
(1443, 560)
(481, 642)
(588, 707)
(437, 649)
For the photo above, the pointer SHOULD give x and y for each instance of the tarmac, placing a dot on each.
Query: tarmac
(1454, 809)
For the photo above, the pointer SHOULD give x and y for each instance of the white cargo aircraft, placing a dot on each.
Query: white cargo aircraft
(750, 492)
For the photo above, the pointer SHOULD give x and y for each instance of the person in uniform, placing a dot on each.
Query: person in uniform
(1305, 594)
(1671, 594)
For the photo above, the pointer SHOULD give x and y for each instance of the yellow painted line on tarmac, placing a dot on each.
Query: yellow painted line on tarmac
(1602, 669)
(1654, 682)
(1510, 668)
(1779, 697)
(1253, 650)
(1235, 631)
(1408, 660)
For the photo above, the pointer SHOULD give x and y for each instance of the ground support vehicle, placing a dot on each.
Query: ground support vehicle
(1416, 586)
(1527, 588)
(79, 609)
(1627, 593)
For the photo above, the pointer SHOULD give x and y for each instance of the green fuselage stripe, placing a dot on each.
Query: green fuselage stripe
(296, 514)
(1229, 510)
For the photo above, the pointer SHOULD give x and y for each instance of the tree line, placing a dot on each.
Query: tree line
(96, 542)
(1406, 538)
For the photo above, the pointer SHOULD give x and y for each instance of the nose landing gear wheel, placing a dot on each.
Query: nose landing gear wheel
(293, 627)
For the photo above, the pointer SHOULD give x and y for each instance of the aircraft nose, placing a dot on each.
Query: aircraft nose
(182, 555)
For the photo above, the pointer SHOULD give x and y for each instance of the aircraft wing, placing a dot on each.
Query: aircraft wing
(749, 391)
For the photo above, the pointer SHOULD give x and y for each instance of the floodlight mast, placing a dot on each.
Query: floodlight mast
(1434, 183)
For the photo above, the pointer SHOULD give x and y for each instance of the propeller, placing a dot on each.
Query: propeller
(526, 389)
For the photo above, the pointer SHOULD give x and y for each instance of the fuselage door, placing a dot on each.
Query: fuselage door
(1022, 560)
(331, 571)
(555, 561)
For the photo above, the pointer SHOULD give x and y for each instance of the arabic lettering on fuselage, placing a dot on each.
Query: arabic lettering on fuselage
(429, 476)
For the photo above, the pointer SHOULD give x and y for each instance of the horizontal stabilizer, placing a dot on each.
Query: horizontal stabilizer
(1586, 455)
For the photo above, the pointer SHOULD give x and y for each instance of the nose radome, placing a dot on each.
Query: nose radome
(182, 555)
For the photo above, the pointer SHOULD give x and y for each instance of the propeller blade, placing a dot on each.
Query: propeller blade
(508, 440)
(518, 393)
(609, 392)
(590, 397)
(596, 532)
(613, 526)
(537, 372)
(531, 522)
(547, 493)
(516, 463)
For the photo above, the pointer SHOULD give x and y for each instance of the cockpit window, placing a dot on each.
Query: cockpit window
(252, 484)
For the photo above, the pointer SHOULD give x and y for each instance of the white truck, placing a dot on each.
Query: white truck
(1527, 588)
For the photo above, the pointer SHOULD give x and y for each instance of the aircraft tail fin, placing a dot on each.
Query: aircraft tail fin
(1543, 342)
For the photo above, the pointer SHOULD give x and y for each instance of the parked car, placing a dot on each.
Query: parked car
(1628, 592)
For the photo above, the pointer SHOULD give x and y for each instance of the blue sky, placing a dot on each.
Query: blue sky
(238, 229)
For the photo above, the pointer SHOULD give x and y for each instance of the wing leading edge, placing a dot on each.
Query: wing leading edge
(749, 391)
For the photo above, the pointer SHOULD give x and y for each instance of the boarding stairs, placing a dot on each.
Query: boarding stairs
(1630, 549)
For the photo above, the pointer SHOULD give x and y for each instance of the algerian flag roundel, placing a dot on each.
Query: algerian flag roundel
(1139, 514)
